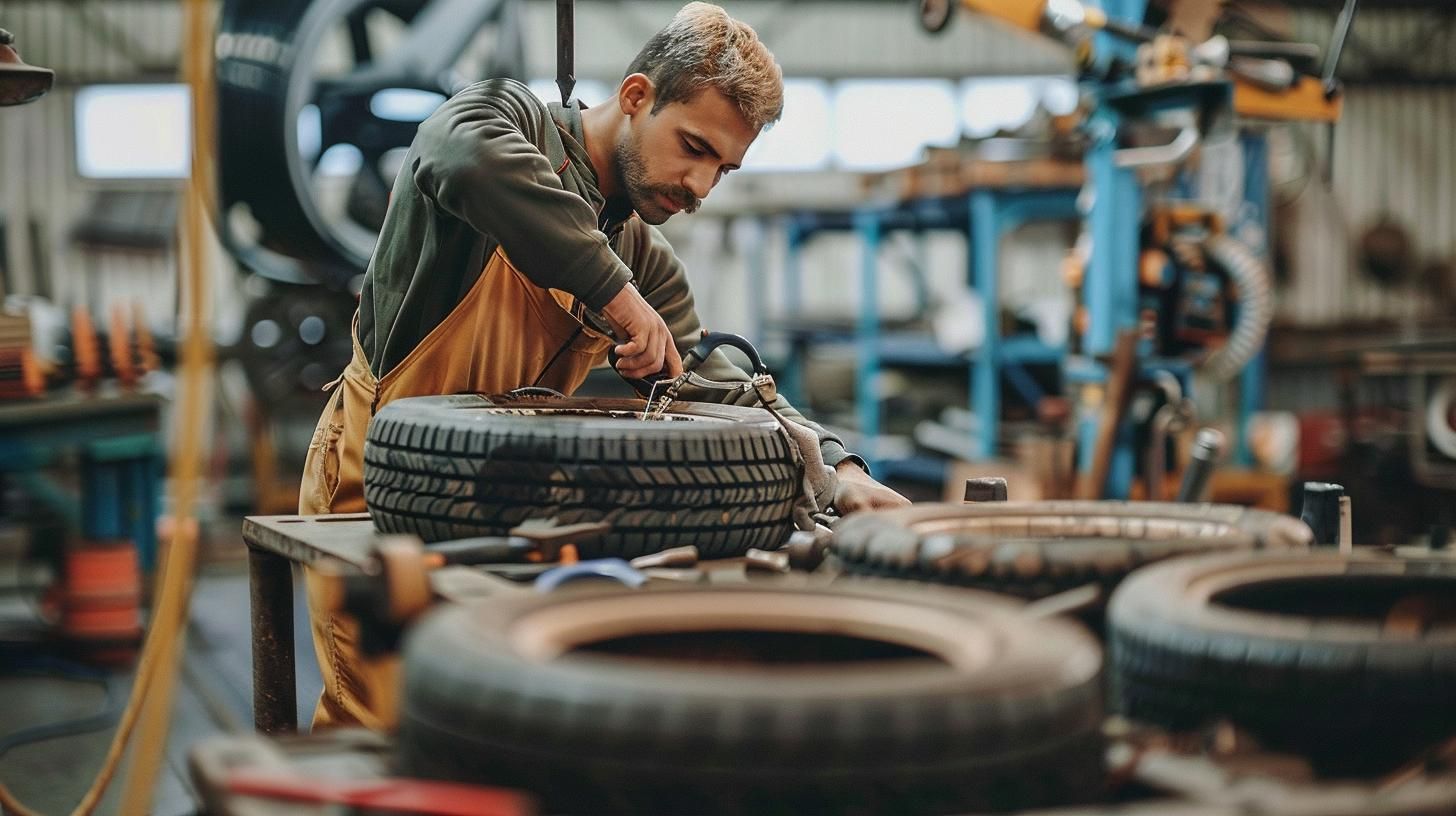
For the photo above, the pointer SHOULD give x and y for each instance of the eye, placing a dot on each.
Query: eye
(692, 151)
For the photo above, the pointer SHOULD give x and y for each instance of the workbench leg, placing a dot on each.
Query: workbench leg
(275, 689)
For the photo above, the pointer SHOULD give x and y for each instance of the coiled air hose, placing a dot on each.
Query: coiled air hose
(1252, 282)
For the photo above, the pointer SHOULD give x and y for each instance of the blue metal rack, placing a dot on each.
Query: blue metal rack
(985, 216)
(1110, 285)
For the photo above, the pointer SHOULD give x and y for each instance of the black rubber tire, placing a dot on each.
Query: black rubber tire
(1341, 690)
(720, 477)
(1013, 721)
(1036, 549)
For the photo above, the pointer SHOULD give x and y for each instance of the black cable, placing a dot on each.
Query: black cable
(557, 355)
(46, 666)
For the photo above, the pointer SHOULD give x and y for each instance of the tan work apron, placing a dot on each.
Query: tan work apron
(506, 333)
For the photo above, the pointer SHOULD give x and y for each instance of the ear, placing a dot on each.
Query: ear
(635, 94)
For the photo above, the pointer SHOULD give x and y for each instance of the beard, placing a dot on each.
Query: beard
(644, 196)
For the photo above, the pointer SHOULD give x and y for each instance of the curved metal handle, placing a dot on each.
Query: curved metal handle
(1170, 153)
(712, 340)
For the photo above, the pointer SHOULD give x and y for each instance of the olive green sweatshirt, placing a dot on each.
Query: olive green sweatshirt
(477, 178)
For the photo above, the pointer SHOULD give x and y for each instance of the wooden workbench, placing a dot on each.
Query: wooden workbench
(275, 544)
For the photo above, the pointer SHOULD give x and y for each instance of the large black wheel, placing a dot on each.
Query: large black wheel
(1034, 549)
(1350, 660)
(295, 340)
(721, 477)
(318, 101)
(756, 700)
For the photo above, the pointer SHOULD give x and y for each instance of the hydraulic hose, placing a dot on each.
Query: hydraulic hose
(1251, 279)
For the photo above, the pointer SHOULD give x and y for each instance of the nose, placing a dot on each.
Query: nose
(699, 181)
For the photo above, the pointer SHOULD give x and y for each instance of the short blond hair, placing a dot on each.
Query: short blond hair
(703, 47)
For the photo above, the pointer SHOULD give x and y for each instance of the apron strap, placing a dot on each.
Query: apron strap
(555, 148)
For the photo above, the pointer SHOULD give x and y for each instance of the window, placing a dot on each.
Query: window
(991, 104)
(799, 140)
(887, 123)
(133, 131)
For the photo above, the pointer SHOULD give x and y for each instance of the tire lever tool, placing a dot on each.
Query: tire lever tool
(536, 542)
(660, 392)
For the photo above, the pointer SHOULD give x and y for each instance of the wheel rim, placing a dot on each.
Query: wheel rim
(349, 89)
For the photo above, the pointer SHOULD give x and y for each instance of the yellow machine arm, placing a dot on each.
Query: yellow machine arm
(1303, 98)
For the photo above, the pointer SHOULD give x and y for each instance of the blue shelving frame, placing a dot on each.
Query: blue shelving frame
(985, 216)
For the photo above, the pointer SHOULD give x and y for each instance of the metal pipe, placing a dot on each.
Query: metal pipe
(1207, 446)
(1337, 45)
(565, 48)
(1250, 275)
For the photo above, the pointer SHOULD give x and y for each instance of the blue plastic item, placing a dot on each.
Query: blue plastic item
(612, 569)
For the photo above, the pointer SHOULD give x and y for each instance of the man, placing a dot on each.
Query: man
(511, 224)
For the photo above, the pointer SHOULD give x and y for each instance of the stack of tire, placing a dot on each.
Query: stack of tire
(868, 696)
(1219, 614)
(744, 699)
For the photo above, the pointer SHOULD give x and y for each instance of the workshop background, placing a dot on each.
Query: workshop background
(844, 250)
(103, 235)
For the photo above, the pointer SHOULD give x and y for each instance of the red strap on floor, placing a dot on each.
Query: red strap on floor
(398, 795)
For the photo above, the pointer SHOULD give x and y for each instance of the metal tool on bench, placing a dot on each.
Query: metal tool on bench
(535, 542)
(395, 588)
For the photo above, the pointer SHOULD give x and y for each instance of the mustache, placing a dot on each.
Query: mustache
(685, 200)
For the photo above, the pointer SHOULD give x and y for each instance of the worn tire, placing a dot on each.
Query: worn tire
(1254, 638)
(753, 703)
(720, 477)
(1035, 549)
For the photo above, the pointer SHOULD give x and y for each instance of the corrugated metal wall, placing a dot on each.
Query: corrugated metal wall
(40, 192)
(97, 41)
(1395, 156)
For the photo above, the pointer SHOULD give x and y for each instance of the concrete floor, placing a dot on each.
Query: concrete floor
(214, 695)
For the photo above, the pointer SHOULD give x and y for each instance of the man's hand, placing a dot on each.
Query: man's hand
(857, 491)
(647, 346)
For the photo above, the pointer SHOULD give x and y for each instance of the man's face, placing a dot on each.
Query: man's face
(669, 161)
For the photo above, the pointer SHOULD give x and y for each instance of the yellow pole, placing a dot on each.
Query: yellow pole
(196, 367)
(150, 702)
